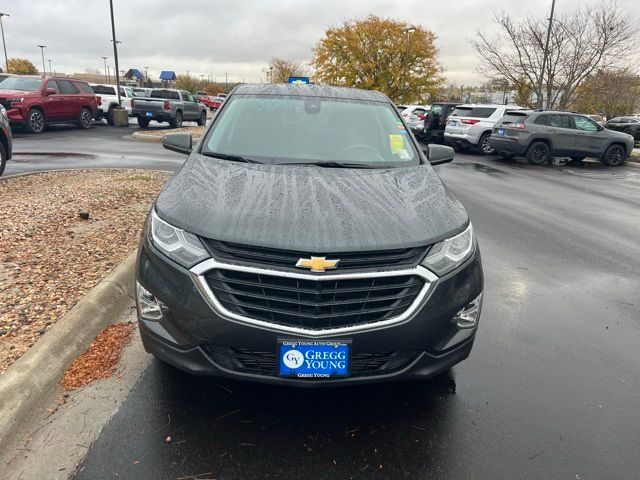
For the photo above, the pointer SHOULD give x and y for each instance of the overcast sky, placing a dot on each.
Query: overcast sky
(237, 37)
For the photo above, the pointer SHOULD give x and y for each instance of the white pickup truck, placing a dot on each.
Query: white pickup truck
(110, 100)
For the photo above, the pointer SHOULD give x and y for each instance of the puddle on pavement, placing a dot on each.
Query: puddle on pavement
(480, 167)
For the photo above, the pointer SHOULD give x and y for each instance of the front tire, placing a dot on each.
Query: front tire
(485, 146)
(35, 121)
(3, 158)
(538, 153)
(110, 117)
(614, 156)
(143, 122)
(203, 118)
(86, 119)
(176, 122)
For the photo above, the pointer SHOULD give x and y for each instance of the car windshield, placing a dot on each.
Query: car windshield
(311, 130)
(478, 112)
(25, 84)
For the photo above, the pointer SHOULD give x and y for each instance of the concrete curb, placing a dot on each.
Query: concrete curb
(28, 384)
(145, 137)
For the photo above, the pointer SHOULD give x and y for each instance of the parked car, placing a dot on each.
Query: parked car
(414, 110)
(539, 135)
(307, 241)
(199, 94)
(599, 119)
(432, 129)
(142, 91)
(470, 125)
(6, 139)
(629, 125)
(33, 102)
(209, 102)
(217, 102)
(169, 105)
(109, 100)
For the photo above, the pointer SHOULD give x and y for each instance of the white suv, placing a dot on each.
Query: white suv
(470, 125)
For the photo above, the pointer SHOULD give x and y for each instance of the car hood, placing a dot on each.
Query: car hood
(621, 135)
(310, 209)
(16, 93)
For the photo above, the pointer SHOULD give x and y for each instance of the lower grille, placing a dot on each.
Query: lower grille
(314, 304)
(264, 363)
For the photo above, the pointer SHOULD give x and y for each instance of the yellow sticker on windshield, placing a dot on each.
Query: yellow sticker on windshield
(396, 142)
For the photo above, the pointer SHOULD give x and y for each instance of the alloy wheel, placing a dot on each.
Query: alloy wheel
(616, 156)
(36, 121)
(86, 118)
(486, 146)
(539, 153)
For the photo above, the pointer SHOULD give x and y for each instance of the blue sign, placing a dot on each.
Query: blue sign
(298, 79)
(313, 359)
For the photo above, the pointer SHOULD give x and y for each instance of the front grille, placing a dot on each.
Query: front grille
(264, 363)
(272, 257)
(313, 304)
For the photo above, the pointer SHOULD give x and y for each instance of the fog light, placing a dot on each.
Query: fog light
(149, 308)
(468, 317)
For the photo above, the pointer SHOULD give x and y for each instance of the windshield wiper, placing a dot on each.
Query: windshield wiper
(227, 156)
(333, 164)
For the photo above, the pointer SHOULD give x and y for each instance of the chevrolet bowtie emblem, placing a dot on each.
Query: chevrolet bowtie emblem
(317, 264)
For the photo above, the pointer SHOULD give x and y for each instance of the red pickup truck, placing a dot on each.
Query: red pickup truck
(33, 102)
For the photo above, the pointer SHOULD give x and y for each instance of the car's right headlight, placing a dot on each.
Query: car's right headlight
(182, 247)
(449, 254)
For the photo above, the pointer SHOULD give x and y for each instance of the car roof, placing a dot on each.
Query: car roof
(488, 105)
(309, 90)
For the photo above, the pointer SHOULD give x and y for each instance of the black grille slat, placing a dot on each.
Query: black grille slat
(314, 304)
(264, 363)
(271, 257)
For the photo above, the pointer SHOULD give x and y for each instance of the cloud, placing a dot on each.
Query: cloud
(238, 38)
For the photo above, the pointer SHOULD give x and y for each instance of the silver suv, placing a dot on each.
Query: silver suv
(471, 125)
(541, 135)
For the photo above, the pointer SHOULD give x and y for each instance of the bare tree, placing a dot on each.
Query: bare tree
(592, 37)
(612, 92)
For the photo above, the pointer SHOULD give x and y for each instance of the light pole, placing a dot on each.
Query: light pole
(115, 52)
(407, 30)
(226, 82)
(50, 69)
(545, 55)
(106, 78)
(4, 45)
(44, 69)
(271, 74)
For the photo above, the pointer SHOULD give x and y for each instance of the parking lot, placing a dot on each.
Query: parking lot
(549, 391)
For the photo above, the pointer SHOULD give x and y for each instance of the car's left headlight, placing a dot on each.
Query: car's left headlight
(182, 247)
(449, 254)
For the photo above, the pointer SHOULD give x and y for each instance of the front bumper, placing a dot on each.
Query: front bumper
(192, 331)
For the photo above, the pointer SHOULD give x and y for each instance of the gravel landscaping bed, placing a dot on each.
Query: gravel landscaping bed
(60, 234)
(196, 132)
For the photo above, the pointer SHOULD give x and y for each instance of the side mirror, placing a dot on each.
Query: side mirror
(50, 91)
(600, 128)
(439, 154)
(178, 142)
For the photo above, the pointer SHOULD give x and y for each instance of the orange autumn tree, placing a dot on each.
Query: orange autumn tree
(375, 53)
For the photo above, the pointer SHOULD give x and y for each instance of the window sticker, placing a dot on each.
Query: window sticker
(396, 143)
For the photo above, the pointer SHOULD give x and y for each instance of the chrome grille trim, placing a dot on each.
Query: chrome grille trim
(198, 275)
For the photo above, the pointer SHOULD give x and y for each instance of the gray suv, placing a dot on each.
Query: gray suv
(307, 240)
(541, 135)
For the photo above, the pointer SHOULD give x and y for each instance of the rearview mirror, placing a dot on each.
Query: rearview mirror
(439, 154)
(178, 142)
(50, 91)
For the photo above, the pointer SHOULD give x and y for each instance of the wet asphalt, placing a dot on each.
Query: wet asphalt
(550, 391)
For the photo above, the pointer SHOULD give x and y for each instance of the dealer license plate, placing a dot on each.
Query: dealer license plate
(314, 358)
(501, 131)
(149, 114)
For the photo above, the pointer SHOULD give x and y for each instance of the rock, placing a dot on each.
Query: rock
(84, 215)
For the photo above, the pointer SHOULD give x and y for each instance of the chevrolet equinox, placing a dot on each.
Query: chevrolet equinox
(307, 240)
